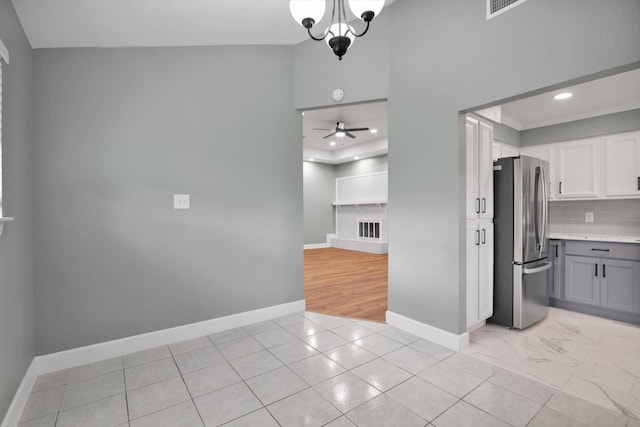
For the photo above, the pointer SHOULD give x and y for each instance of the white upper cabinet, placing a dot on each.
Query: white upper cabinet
(479, 140)
(577, 169)
(500, 150)
(621, 165)
(546, 152)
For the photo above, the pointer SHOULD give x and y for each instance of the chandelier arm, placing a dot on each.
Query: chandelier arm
(362, 33)
(315, 38)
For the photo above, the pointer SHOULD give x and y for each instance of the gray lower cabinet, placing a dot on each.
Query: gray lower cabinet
(581, 281)
(600, 275)
(620, 285)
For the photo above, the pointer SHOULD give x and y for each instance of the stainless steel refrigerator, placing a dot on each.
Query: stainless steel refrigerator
(520, 296)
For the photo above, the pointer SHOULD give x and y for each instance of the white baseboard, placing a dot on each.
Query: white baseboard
(428, 332)
(96, 352)
(12, 417)
(317, 246)
(370, 246)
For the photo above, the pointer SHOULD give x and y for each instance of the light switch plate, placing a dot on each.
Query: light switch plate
(588, 217)
(180, 201)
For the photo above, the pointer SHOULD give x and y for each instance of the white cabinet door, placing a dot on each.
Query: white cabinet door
(577, 171)
(546, 152)
(496, 150)
(473, 200)
(473, 246)
(621, 155)
(479, 140)
(510, 151)
(500, 150)
(479, 272)
(485, 171)
(485, 271)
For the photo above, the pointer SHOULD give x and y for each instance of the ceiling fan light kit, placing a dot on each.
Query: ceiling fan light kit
(339, 35)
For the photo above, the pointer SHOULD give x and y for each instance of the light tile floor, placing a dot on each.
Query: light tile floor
(589, 357)
(307, 369)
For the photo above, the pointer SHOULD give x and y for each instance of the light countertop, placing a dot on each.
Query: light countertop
(595, 237)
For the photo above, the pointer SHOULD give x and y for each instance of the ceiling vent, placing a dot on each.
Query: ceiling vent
(496, 7)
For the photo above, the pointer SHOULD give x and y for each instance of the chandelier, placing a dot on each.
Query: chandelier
(339, 35)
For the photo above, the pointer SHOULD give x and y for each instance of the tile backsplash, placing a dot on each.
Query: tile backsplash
(611, 217)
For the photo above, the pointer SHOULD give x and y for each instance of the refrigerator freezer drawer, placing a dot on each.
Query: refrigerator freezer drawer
(530, 294)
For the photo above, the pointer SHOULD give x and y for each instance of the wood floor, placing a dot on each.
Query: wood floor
(346, 283)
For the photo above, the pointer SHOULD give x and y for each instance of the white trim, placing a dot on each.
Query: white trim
(317, 246)
(501, 11)
(96, 352)
(428, 332)
(14, 413)
(370, 246)
(4, 52)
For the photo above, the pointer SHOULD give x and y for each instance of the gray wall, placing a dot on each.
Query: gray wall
(434, 73)
(319, 194)
(17, 330)
(320, 189)
(596, 126)
(117, 132)
(359, 167)
(506, 134)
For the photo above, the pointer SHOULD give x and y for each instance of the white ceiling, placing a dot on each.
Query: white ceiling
(128, 23)
(366, 144)
(608, 95)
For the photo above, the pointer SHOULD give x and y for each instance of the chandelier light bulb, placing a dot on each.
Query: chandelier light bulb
(303, 9)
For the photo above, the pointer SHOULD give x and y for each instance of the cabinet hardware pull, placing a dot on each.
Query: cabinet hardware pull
(484, 205)
(484, 236)
(604, 270)
(639, 183)
(477, 205)
(596, 270)
(560, 188)
(477, 237)
(600, 250)
(556, 251)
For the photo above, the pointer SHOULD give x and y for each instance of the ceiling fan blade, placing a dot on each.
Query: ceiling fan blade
(356, 129)
(321, 129)
(350, 135)
(331, 134)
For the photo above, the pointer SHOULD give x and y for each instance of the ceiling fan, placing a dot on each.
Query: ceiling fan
(341, 131)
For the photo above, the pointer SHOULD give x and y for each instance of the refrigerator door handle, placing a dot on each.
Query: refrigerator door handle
(545, 210)
(535, 270)
(536, 209)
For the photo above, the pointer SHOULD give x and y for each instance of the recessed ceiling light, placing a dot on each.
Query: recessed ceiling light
(303, 113)
(373, 130)
(332, 143)
(356, 158)
(564, 95)
(311, 159)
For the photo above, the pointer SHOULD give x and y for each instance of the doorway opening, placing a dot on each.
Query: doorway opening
(345, 173)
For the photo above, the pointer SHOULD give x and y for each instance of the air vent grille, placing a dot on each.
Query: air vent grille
(369, 228)
(496, 7)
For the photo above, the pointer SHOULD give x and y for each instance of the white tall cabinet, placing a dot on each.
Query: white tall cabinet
(479, 241)
(479, 169)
